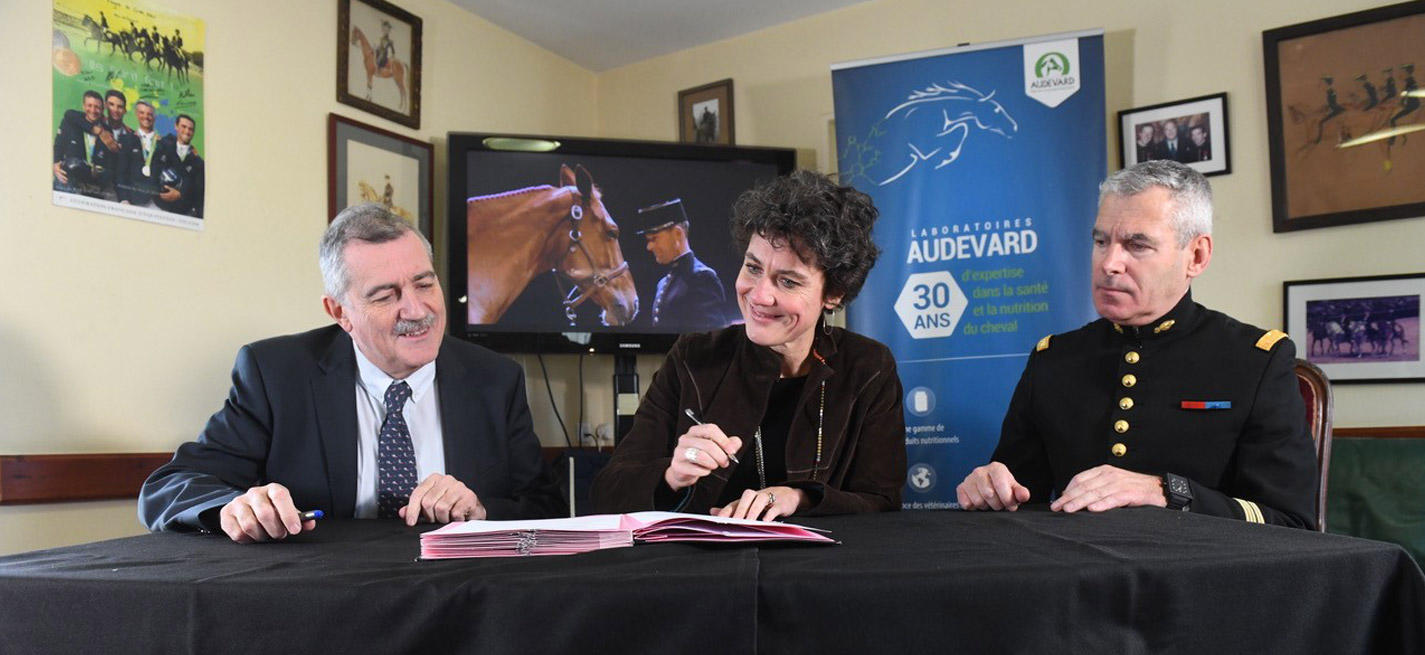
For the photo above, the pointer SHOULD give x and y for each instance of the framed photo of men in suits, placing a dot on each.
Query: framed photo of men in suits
(1192, 131)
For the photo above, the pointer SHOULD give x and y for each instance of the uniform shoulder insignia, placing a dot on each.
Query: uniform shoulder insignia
(1270, 339)
(1043, 344)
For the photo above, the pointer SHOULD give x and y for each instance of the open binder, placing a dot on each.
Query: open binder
(599, 531)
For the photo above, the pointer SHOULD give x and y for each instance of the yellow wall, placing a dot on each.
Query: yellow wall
(1155, 51)
(119, 335)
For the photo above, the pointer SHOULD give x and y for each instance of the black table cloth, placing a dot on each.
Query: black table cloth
(1128, 581)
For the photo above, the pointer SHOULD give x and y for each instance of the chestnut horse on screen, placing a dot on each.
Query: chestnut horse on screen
(513, 236)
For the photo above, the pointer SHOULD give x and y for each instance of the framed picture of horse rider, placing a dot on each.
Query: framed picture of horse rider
(369, 164)
(1344, 118)
(705, 114)
(378, 60)
(1359, 329)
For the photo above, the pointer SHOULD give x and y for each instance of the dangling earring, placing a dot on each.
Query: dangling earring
(826, 321)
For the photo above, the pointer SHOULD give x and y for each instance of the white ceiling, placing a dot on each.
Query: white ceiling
(604, 34)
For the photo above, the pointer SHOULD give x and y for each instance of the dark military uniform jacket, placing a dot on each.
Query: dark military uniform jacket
(70, 143)
(1195, 393)
(690, 296)
(190, 173)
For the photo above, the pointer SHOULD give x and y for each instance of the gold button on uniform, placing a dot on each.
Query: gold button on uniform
(1129, 380)
(1131, 357)
(1119, 450)
(1125, 403)
(1120, 426)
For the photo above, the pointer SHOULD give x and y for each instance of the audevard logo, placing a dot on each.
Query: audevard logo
(1050, 70)
(1051, 63)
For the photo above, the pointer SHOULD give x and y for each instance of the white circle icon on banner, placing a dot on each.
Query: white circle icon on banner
(921, 477)
(920, 401)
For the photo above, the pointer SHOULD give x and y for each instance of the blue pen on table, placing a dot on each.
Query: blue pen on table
(691, 415)
(312, 515)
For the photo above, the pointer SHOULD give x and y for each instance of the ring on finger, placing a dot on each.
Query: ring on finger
(691, 454)
(771, 499)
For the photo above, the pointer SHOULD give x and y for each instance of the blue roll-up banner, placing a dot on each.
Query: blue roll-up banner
(984, 162)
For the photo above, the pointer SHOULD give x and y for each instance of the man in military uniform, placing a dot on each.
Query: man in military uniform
(690, 296)
(1162, 401)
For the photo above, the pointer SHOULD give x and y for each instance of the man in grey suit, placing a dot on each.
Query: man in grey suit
(376, 416)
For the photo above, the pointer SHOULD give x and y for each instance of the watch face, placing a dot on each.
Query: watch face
(1178, 486)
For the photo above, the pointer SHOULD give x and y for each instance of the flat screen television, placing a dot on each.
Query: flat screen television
(552, 239)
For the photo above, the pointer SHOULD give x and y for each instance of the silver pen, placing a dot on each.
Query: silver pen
(691, 415)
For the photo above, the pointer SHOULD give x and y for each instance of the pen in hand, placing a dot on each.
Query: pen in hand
(691, 415)
(312, 515)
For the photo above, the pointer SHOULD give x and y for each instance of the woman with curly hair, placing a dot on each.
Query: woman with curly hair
(783, 414)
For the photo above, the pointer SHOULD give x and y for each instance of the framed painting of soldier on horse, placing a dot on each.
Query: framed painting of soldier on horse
(369, 164)
(378, 60)
(1345, 121)
(1358, 329)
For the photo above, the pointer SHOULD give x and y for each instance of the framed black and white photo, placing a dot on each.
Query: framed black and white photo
(378, 60)
(1358, 329)
(1192, 131)
(369, 164)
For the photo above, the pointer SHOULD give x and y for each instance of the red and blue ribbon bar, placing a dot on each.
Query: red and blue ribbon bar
(1207, 404)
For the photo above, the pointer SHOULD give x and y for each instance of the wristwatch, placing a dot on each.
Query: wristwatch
(1177, 490)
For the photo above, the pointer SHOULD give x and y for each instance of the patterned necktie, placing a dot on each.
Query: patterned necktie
(395, 458)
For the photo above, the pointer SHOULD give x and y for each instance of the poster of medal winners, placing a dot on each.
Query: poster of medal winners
(128, 111)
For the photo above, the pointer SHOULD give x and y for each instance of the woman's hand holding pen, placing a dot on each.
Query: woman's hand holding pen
(767, 505)
(700, 451)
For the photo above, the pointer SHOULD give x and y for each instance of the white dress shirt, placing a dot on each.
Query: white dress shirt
(422, 414)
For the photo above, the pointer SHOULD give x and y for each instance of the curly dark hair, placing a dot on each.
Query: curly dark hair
(826, 224)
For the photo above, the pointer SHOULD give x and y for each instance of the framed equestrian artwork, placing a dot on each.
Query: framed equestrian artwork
(378, 60)
(127, 111)
(1358, 329)
(705, 114)
(1192, 131)
(369, 164)
(1344, 118)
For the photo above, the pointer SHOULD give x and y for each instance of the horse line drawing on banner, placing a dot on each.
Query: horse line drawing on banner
(945, 116)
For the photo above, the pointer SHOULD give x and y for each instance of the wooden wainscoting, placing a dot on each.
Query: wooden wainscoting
(79, 476)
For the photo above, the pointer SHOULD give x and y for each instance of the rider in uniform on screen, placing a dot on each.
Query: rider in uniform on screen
(690, 296)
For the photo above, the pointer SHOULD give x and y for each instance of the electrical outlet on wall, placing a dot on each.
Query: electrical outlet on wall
(586, 435)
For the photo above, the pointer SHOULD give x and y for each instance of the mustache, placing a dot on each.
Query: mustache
(1110, 284)
(407, 326)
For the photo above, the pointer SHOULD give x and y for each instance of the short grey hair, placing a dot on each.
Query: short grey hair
(1188, 189)
(372, 223)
